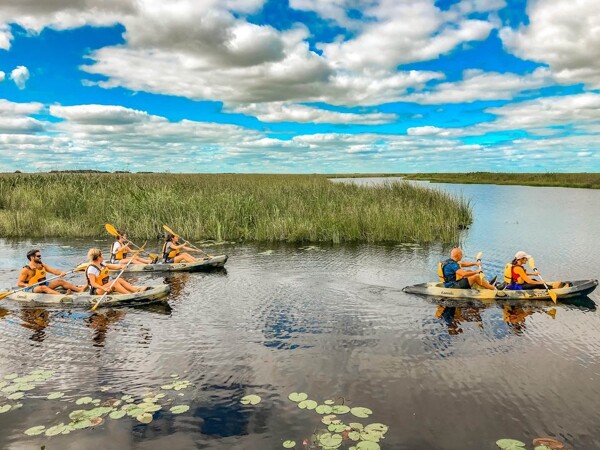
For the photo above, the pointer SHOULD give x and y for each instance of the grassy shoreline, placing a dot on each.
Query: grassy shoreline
(259, 208)
(571, 180)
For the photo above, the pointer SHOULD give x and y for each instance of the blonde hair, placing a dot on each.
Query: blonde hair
(94, 253)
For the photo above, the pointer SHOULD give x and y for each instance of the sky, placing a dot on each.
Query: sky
(300, 86)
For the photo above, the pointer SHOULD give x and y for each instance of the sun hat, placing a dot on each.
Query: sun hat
(521, 254)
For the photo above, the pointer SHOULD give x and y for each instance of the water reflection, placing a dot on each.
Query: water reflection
(100, 322)
(36, 319)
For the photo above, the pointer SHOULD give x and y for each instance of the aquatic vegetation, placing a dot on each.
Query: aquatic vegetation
(250, 400)
(298, 396)
(55, 395)
(538, 443)
(289, 444)
(260, 208)
(179, 409)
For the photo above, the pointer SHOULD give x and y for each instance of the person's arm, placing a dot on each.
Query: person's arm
(54, 271)
(112, 266)
(466, 273)
(94, 283)
(468, 264)
(23, 277)
(524, 276)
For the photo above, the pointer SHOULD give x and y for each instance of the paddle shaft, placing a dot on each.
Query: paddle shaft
(192, 245)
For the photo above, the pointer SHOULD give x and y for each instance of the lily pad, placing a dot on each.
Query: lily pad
(330, 440)
(4, 408)
(354, 435)
(179, 409)
(55, 430)
(367, 445)
(34, 431)
(16, 396)
(160, 395)
(167, 387)
(289, 444)
(11, 376)
(336, 428)
(377, 427)
(298, 396)
(144, 418)
(82, 424)
(370, 436)
(509, 443)
(328, 419)
(83, 400)
(77, 414)
(3, 384)
(356, 426)
(323, 409)
(117, 414)
(128, 407)
(127, 397)
(340, 409)
(329, 402)
(542, 447)
(55, 395)
(11, 388)
(250, 400)
(135, 412)
(307, 404)
(361, 412)
(96, 421)
(152, 408)
(17, 406)
(551, 443)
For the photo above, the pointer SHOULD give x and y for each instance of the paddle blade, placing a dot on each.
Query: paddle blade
(168, 230)
(481, 276)
(553, 296)
(5, 294)
(81, 267)
(95, 305)
(531, 263)
(111, 230)
(478, 257)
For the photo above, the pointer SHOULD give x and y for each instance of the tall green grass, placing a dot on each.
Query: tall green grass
(288, 208)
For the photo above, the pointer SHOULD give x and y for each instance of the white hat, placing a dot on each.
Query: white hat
(521, 254)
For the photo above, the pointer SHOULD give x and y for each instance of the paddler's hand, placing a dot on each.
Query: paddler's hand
(62, 274)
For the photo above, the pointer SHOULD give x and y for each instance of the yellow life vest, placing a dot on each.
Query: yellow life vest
(121, 254)
(102, 278)
(441, 273)
(508, 275)
(172, 254)
(38, 275)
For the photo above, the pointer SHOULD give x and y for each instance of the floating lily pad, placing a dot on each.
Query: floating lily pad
(356, 426)
(298, 396)
(361, 412)
(81, 424)
(34, 431)
(3, 384)
(127, 397)
(4, 408)
(509, 443)
(367, 445)
(340, 409)
(135, 412)
(11, 376)
(542, 447)
(96, 421)
(377, 427)
(328, 419)
(17, 406)
(152, 408)
(330, 440)
(551, 443)
(117, 414)
(324, 409)
(179, 409)
(354, 435)
(174, 375)
(307, 404)
(336, 428)
(129, 407)
(160, 395)
(96, 401)
(16, 396)
(250, 400)
(83, 400)
(289, 444)
(167, 387)
(370, 436)
(11, 388)
(329, 402)
(55, 395)
(77, 414)
(144, 418)
(55, 430)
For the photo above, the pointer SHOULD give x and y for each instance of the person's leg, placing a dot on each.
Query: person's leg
(65, 285)
(475, 279)
(43, 289)
(115, 288)
(184, 257)
(130, 288)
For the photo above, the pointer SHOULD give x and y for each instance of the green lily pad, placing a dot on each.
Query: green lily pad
(340, 409)
(298, 396)
(127, 397)
(361, 412)
(179, 409)
(356, 426)
(55, 430)
(354, 435)
(4, 408)
(542, 447)
(329, 402)
(307, 404)
(17, 406)
(152, 408)
(3, 384)
(11, 376)
(149, 400)
(328, 419)
(144, 418)
(129, 407)
(367, 445)
(250, 400)
(96, 401)
(323, 409)
(135, 412)
(509, 443)
(167, 387)
(289, 444)
(16, 396)
(330, 440)
(55, 395)
(98, 411)
(34, 431)
(11, 388)
(83, 400)
(77, 414)
(117, 414)
(377, 427)
(336, 428)
(160, 395)
(370, 436)
(82, 424)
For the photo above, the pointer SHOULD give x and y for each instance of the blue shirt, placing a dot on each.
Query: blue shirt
(449, 270)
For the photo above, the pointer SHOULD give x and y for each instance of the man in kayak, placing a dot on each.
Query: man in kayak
(517, 278)
(35, 272)
(456, 278)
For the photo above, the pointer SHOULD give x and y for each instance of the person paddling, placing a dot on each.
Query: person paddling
(455, 277)
(36, 270)
(517, 278)
(98, 276)
(172, 251)
(119, 250)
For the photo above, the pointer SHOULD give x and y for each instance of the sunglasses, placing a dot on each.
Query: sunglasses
(38, 256)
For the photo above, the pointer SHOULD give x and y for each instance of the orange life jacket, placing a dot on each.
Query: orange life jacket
(102, 278)
(39, 275)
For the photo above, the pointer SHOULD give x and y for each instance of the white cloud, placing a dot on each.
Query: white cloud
(2, 76)
(14, 117)
(20, 75)
(5, 36)
(563, 34)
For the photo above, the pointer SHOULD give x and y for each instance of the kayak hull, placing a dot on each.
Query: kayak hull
(580, 288)
(212, 263)
(152, 295)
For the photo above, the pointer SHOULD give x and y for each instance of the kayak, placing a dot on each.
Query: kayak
(152, 295)
(214, 262)
(579, 288)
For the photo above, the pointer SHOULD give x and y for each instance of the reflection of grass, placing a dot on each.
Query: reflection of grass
(292, 208)
(577, 180)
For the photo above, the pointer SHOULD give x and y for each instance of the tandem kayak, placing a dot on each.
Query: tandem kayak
(579, 288)
(152, 295)
(214, 262)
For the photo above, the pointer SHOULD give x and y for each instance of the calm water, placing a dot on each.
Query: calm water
(333, 322)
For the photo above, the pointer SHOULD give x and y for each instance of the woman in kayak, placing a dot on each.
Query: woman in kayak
(98, 276)
(456, 278)
(119, 250)
(517, 278)
(172, 251)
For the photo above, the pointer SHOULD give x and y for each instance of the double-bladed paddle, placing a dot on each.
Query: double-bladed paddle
(168, 230)
(551, 293)
(113, 231)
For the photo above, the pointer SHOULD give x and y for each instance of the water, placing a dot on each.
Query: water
(333, 322)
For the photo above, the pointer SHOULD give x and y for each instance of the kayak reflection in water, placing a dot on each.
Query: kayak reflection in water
(454, 316)
(453, 276)
(515, 316)
(517, 278)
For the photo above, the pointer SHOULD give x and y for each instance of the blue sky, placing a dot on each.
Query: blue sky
(300, 86)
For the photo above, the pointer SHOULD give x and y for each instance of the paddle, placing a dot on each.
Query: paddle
(112, 230)
(79, 268)
(551, 293)
(478, 258)
(117, 277)
(168, 230)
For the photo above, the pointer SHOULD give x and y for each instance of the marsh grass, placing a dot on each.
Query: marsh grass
(286, 208)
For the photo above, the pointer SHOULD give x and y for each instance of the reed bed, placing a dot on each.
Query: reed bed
(267, 208)
(575, 180)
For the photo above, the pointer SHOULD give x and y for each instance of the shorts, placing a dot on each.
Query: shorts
(169, 260)
(31, 288)
(463, 283)
(520, 287)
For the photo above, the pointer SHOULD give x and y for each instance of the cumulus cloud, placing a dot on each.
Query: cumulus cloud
(5, 36)
(14, 117)
(20, 75)
(2, 76)
(564, 35)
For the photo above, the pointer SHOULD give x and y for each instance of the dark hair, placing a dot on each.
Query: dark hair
(120, 234)
(514, 262)
(169, 237)
(31, 253)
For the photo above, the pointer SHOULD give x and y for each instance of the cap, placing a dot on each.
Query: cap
(521, 254)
